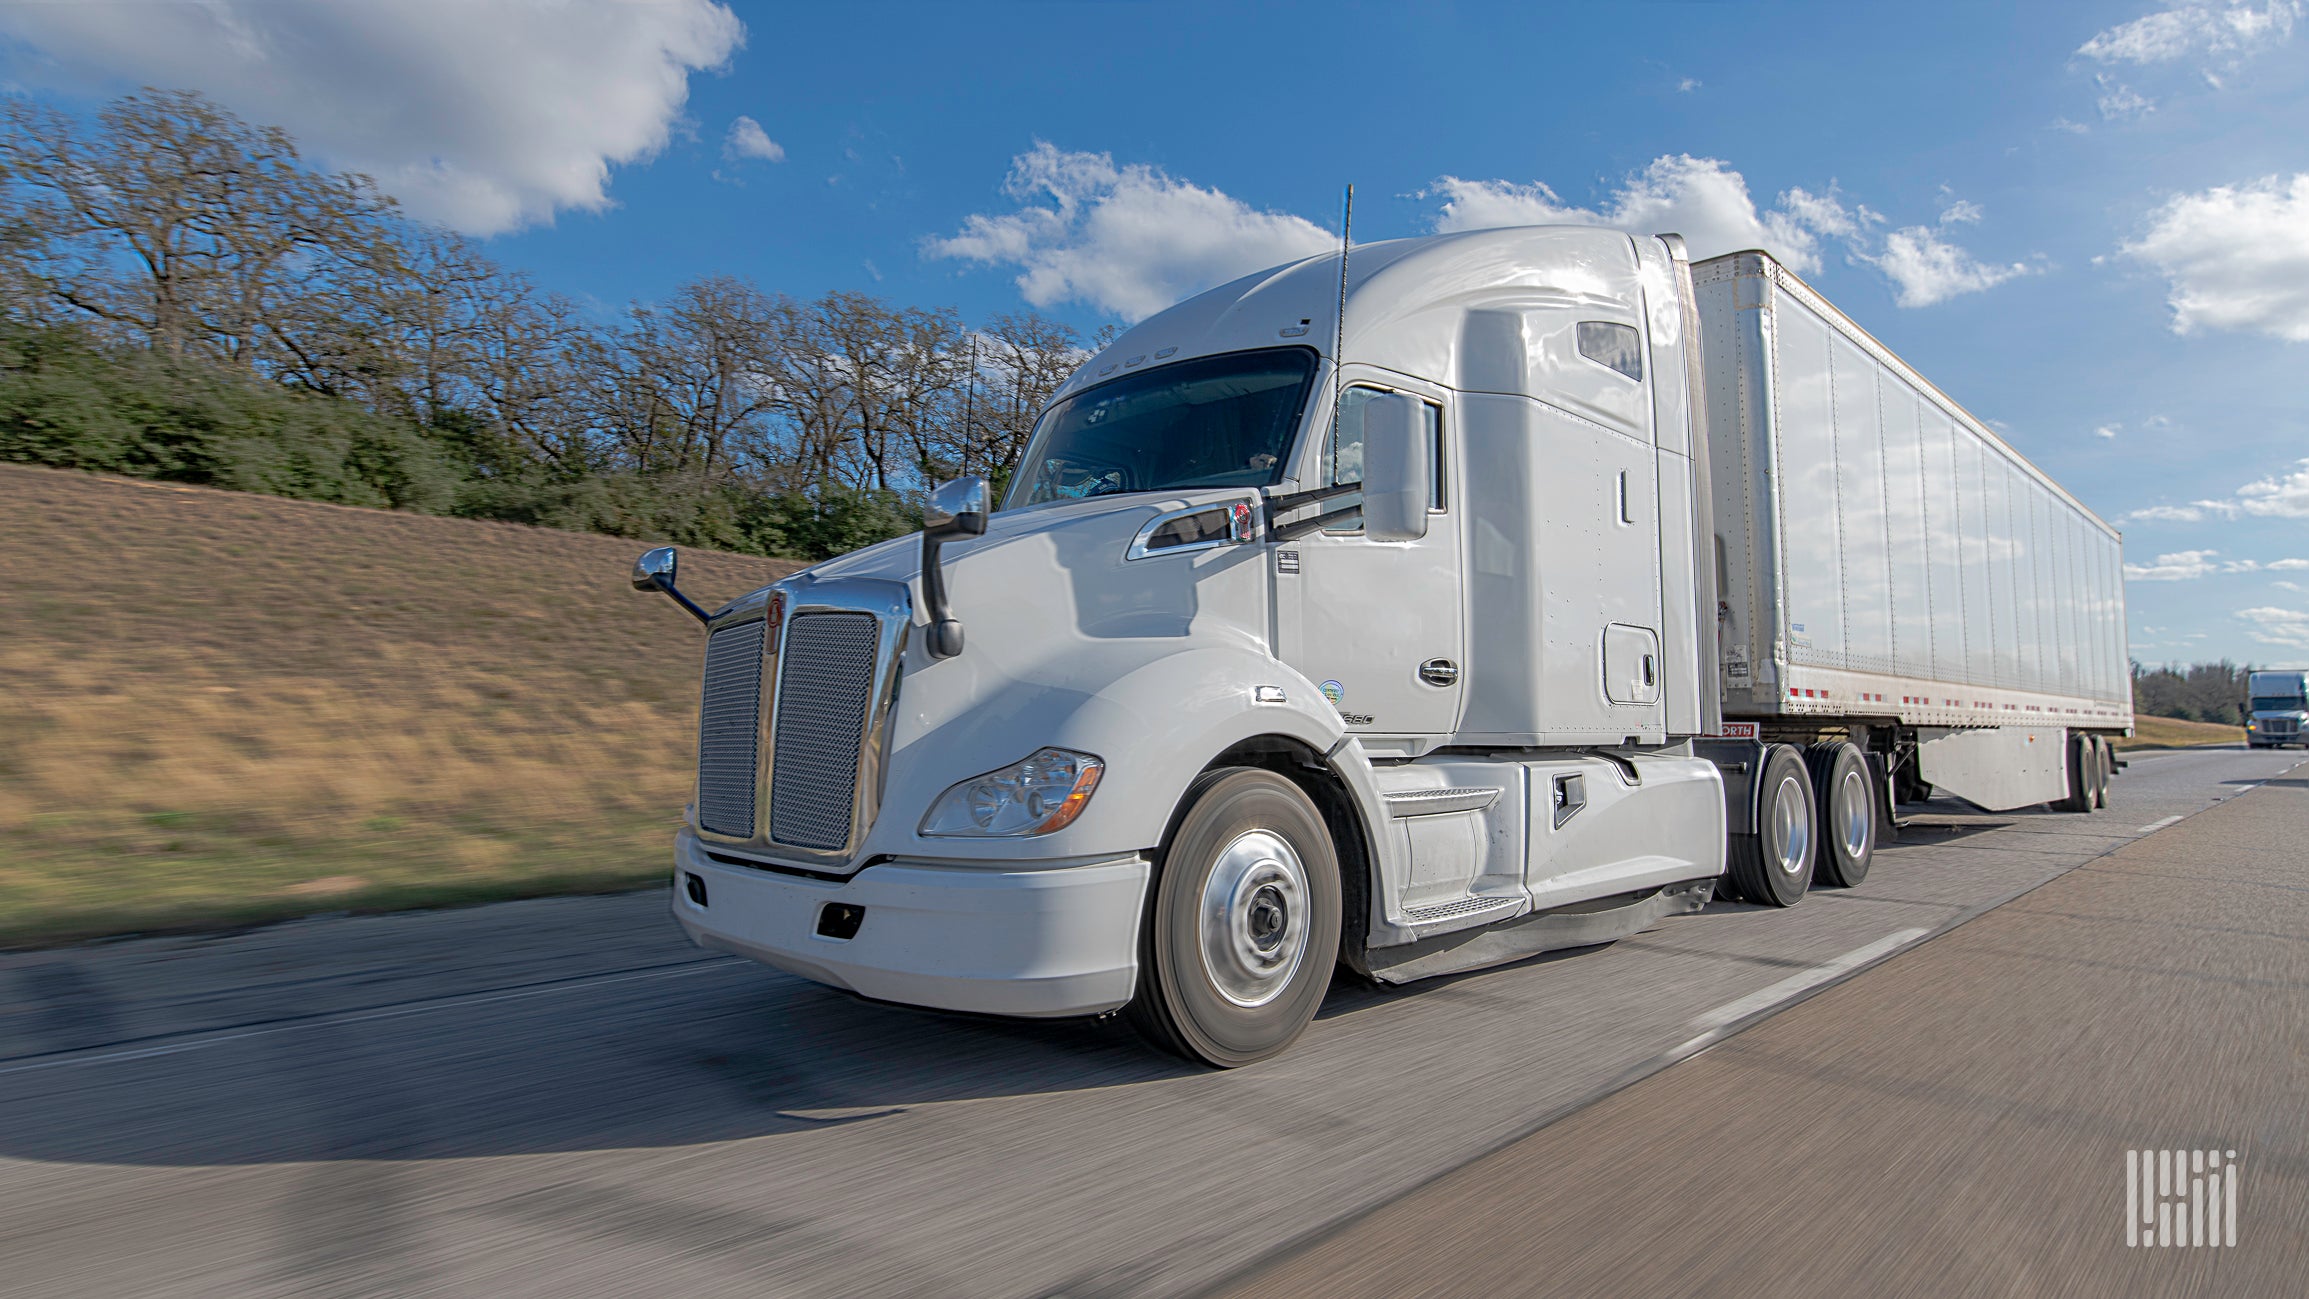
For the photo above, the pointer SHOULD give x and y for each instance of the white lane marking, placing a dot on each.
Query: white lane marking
(2154, 826)
(1798, 982)
(195, 1043)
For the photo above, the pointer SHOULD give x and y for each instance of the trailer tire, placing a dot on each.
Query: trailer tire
(1242, 921)
(1773, 866)
(1846, 796)
(2080, 775)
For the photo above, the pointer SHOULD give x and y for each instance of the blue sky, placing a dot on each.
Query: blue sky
(2089, 223)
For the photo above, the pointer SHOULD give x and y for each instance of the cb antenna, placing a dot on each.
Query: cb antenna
(1339, 327)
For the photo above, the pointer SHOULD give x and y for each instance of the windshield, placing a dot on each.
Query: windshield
(2277, 703)
(1219, 421)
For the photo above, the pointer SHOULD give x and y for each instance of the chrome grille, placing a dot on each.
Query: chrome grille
(729, 730)
(824, 690)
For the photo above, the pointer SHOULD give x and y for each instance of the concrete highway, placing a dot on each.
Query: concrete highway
(563, 1098)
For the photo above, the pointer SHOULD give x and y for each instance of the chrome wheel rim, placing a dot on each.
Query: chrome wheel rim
(1792, 825)
(1853, 814)
(1253, 919)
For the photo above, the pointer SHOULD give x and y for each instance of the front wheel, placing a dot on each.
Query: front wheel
(1243, 926)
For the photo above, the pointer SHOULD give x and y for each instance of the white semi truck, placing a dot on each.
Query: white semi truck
(2277, 708)
(1557, 587)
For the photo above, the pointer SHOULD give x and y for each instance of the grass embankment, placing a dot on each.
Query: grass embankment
(2173, 733)
(218, 708)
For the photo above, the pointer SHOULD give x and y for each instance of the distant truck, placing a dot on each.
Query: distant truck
(1559, 586)
(2277, 710)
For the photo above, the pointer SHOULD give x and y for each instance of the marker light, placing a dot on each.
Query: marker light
(1041, 794)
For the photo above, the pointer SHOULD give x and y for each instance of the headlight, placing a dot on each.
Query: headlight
(1043, 793)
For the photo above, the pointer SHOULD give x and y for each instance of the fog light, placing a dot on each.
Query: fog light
(695, 887)
(840, 920)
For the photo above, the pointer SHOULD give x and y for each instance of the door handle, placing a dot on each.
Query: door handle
(1439, 672)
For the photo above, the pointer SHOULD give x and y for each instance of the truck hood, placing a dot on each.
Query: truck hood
(1063, 566)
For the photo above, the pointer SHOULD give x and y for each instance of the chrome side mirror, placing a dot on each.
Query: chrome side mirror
(955, 509)
(654, 571)
(1395, 486)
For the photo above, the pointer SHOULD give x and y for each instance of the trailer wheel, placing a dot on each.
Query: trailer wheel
(1773, 866)
(1847, 800)
(1242, 927)
(2080, 775)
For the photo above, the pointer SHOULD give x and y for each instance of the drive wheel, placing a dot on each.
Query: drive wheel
(1243, 926)
(2104, 771)
(2080, 777)
(1774, 865)
(1847, 801)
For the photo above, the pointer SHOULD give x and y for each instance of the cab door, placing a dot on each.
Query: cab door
(1378, 625)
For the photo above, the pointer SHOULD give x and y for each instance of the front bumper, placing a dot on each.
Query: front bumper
(1056, 941)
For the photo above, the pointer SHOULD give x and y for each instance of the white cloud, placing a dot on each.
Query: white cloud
(747, 140)
(2118, 102)
(2286, 497)
(2175, 513)
(2235, 257)
(2273, 626)
(1708, 203)
(1127, 239)
(2107, 431)
(484, 114)
(1687, 85)
(1702, 199)
(2286, 565)
(2180, 566)
(1925, 269)
(2185, 30)
(2295, 587)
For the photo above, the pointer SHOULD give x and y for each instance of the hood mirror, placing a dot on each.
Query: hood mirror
(955, 509)
(654, 571)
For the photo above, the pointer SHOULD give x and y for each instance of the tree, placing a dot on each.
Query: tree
(181, 226)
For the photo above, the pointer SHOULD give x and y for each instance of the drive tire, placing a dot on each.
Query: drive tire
(1773, 866)
(1845, 794)
(2080, 775)
(1242, 921)
(2104, 771)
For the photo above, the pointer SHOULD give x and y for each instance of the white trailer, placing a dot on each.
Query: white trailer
(1393, 641)
(1891, 570)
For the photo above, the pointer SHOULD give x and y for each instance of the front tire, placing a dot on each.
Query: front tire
(1773, 866)
(1242, 927)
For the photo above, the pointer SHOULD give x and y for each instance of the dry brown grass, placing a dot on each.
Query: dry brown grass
(2173, 733)
(218, 707)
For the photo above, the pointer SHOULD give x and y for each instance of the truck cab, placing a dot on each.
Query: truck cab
(1297, 641)
(2277, 710)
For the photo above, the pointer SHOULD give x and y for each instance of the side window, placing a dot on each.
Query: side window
(1615, 347)
(1344, 459)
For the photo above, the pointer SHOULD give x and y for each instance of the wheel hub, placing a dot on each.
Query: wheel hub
(1853, 815)
(1791, 824)
(1252, 924)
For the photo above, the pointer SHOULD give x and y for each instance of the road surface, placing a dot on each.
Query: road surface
(563, 1098)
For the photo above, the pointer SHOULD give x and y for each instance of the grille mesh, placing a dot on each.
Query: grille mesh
(729, 730)
(823, 694)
